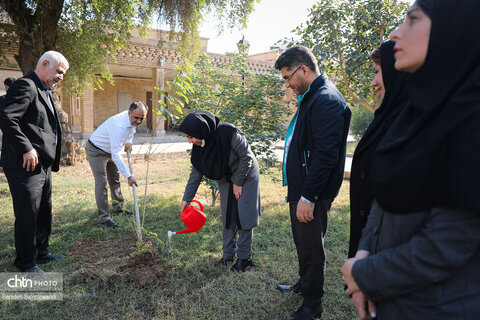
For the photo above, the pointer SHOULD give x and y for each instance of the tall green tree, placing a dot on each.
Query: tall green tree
(251, 101)
(88, 31)
(343, 33)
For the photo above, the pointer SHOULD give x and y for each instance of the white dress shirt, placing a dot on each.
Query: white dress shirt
(112, 136)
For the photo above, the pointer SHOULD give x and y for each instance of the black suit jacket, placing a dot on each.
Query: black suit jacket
(316, 157)
(28, 122)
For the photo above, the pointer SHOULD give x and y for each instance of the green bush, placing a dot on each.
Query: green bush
(361, 118)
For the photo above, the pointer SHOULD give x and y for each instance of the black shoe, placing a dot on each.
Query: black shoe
(242, 265)
(35, 270)
(307, 312)
(49, 257)
(222, 262)
(110, 224)
(289, 288)
(125, 212)
(128, 212)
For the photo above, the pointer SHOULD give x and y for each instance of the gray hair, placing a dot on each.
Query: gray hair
(137, 104)
(54, 58)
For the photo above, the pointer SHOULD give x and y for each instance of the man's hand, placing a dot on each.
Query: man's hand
(30, 160)
(237, 191)
(183, 205)
(128, 147)
(366, 309)
(305, 211)
(132, 181)
(347, 276)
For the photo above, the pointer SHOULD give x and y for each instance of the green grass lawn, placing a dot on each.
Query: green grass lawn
(182, 283)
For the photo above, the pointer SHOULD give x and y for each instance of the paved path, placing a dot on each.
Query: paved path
(175, 147)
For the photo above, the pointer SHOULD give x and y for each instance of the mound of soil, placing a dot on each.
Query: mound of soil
(109, 263)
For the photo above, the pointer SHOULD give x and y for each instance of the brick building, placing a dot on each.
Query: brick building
(139, 68)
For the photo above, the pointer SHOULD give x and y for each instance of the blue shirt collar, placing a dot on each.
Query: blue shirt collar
(300, 96)
(43, 87)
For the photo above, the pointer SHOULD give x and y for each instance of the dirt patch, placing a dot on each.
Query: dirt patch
(108, 263)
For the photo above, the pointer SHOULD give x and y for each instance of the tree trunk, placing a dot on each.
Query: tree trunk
(36, 29)
(37, 33)
(69, 154)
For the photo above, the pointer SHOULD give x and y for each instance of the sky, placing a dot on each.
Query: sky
(271, 21)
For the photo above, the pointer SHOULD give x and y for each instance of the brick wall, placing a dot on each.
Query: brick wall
(105, 103)
(87, 109)
(141, 56)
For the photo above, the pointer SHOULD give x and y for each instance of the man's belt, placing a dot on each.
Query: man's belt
(91, 143)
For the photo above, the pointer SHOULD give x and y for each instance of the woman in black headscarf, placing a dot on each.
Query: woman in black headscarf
(221, 152)
(391, 87)
(423, 230)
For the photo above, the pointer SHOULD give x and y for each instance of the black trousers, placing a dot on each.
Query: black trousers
(308, 238)
(32, 204)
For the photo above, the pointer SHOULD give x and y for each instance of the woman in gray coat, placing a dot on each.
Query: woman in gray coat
(221, 152)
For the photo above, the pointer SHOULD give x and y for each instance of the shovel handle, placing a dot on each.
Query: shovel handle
(134, 190)
(130, 162)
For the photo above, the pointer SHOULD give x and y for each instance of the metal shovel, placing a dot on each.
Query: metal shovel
(135, 201)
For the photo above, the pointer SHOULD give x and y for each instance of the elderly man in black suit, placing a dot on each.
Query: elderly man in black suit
(32, 137)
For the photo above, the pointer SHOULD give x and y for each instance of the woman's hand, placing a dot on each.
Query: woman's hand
(183, 205)
(348, 277)
(360, 254)
(366, 309)
(237, 191)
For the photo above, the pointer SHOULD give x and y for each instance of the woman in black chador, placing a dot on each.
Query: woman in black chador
(221, 152)
(390, 84)
(422, 234)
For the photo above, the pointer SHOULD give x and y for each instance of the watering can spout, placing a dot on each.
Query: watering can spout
(193, 218)
(171, 233)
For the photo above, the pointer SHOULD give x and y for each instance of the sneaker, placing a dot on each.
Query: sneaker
(124, 211)
(110, 224)
(128, 212)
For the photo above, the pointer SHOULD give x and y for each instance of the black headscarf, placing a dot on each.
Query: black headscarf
(394, 100)
(212, 159)
(430, 156)
(361, 189)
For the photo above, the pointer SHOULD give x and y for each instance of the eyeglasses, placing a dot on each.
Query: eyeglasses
(288, 79)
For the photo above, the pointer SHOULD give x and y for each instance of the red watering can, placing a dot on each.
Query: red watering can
(193, 218)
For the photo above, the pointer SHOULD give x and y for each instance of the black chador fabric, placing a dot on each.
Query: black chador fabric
(430, 156)
(361, 190)
(232, 209)
(210, 160)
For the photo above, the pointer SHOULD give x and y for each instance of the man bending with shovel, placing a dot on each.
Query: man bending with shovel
(103, 153)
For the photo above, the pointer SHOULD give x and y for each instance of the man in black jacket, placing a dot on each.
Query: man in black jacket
(313, 166)
(31, 150)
